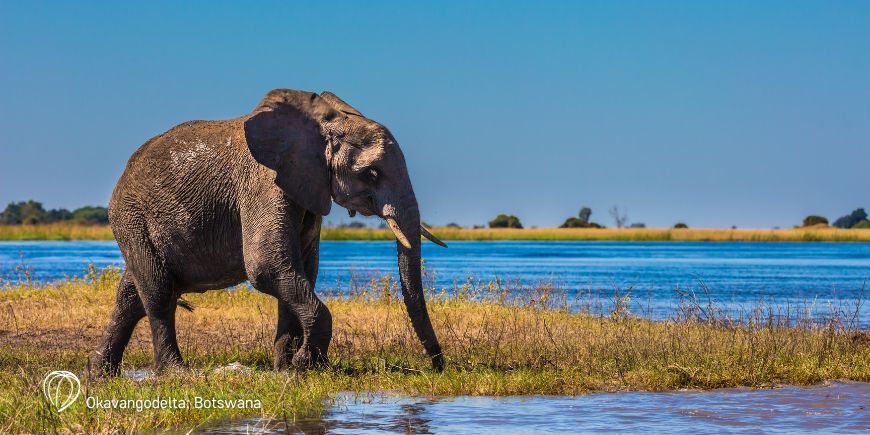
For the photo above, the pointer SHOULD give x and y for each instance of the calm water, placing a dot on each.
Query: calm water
(739, 275)
(831, 408)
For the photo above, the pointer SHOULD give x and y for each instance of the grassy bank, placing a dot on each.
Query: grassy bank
(63, 231)
(494, 344)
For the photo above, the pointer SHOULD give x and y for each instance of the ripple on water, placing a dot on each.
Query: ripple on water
(836, 407)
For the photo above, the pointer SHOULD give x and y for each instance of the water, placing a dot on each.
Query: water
(834, 407)
(739, 275)
(736, 274)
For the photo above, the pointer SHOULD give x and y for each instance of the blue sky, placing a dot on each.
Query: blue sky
(714, 113)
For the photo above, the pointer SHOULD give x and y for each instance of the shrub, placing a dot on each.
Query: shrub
(637, 225)
(453, 225)
(680, 225)
(505, 221)
(862, 225)
(815, 220)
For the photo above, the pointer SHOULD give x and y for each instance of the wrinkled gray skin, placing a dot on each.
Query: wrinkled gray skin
(209, 204)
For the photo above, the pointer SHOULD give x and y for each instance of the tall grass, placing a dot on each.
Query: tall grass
(497, 342)
(56, 231)
(67, 231)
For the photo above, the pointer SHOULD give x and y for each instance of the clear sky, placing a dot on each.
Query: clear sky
(714, 113)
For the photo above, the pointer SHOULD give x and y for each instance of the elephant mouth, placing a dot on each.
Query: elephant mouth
(362, 203)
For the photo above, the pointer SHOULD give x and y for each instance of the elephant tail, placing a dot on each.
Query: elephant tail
(183, 303)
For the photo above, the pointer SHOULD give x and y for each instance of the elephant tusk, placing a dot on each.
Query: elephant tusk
(431, 237)
(398, 232)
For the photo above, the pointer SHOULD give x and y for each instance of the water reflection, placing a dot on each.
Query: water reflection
(833, 407)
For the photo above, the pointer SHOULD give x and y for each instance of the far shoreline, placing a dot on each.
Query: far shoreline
(69, 231)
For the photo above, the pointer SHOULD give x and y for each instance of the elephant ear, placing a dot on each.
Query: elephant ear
(285, 136)
(339, 104)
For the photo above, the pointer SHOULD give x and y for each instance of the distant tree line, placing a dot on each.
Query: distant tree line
(32, 212)
(856, 219)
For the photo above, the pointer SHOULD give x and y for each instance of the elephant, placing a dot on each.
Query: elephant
(210, 204)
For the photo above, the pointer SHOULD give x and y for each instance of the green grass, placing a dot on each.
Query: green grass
(495, 344)
(66, 231)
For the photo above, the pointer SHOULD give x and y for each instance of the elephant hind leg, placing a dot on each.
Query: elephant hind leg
(160, 303)
(126, 315)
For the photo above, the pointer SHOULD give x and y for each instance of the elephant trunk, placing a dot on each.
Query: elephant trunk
(410, 273)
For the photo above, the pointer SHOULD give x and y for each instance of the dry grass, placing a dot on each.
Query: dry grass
(495, 344)
(66, 231)
(56, 231)
(811, 234)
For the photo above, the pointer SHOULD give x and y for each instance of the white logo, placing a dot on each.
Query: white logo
(61, 388)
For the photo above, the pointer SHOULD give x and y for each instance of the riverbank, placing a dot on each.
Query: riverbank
(494, 345)
(66, 231)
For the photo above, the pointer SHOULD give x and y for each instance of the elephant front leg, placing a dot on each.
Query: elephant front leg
(314, 319)
(288, 337)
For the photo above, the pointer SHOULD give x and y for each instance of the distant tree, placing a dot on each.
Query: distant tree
(30, 212)
(573, 222)
(453, 225)
(585, 214)
(862, 225)
(637, 225)
(815, 220)
(620, 217)
(852, 219)
(91, 215)
(581, 221)
(58, 215)
(12, 214)
(353, 224)
(505, 221)
(680, 225)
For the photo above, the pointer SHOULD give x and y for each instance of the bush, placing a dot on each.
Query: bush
(679, 225)
(815, 220)
(453, 225)
(865, 224)
(637, 225)
(505, 221)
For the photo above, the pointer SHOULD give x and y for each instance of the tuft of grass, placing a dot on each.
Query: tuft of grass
(497, 342)
(68, 231)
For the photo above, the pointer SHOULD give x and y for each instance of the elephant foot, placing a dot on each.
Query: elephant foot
(306, 359)
(285, 348)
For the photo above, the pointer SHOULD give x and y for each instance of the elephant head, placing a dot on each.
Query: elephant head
(322, 149)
